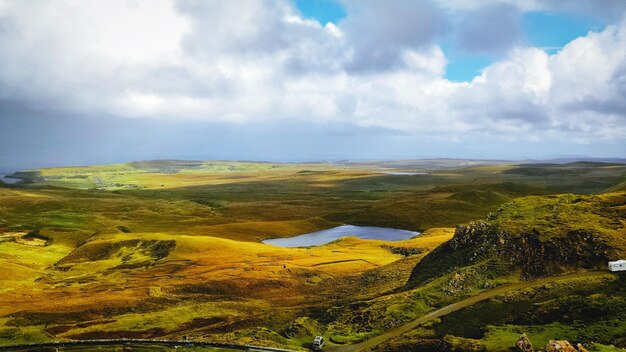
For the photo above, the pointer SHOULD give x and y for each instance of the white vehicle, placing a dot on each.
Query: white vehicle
(618, 265)
(318, 343)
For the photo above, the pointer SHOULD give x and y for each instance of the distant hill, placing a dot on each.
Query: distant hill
(549, 169)
(580, 159)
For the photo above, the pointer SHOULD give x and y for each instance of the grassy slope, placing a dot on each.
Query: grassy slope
(589, 311)
(140, 285)
(554, 233)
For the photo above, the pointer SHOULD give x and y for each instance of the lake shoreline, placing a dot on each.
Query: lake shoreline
(9, 179)
(323, 237)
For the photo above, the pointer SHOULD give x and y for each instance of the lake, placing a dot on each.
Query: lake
(322, 237)
(404, 173)
(9, 180)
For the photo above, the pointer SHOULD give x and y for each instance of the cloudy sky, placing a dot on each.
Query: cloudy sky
(85, 82)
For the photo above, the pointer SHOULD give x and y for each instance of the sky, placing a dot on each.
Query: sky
(94, 82)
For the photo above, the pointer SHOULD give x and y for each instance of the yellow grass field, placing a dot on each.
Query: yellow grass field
(250, 277)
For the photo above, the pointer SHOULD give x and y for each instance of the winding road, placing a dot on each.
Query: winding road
(402, 329)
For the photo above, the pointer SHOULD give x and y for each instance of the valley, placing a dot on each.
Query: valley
(174, 250)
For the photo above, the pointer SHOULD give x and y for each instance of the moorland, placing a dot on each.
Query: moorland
(172, 249)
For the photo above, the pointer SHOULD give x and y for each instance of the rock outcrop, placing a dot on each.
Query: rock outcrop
(560, 346)
(528, 253)
(534, 237)
(523, 344)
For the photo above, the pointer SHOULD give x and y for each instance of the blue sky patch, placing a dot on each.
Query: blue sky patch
(465, 68)
(552, 32)
(462, 66)
(323, 11)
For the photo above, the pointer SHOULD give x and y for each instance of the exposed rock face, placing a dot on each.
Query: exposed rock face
(523, 344)
(529, 252)
(560, 346)
(533, 237)
(581, 348)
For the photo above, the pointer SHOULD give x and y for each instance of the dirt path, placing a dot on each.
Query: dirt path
(402, 329)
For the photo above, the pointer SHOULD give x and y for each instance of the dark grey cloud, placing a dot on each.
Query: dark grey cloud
(613, 104)
(34, 139)
(498, 112)
(610, 10)
(380, 31)
(492, 29)
(180, 80)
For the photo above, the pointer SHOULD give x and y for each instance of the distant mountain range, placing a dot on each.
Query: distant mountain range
(567, 160)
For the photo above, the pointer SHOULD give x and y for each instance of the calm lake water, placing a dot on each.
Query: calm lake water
(9, 180)
(329, 235)
(404, 173)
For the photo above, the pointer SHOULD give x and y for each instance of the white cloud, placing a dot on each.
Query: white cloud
(247, 61)
(83, 54)
(589, 67)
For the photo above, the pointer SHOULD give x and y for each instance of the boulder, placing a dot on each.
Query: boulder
(581, 348)
(523, 344)
(559, 346)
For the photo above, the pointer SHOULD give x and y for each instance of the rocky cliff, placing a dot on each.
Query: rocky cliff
(534, 237)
